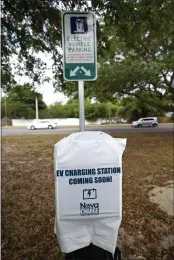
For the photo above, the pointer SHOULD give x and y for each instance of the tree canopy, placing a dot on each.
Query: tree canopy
(135, 45)
(138, 59)
(141, 57)
(93, 111)
(30, 27)
(20, 102)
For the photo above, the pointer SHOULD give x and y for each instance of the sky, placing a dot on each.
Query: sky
(46, 89)
(49, 96)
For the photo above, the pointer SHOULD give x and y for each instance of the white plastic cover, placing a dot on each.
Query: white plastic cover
(88, 190)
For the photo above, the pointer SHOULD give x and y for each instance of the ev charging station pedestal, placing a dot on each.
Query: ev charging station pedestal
(88, 192)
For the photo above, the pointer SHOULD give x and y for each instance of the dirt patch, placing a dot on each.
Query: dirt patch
(164, 197)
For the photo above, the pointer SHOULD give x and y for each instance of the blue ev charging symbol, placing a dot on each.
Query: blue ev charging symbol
(79, 25)
(89, 194)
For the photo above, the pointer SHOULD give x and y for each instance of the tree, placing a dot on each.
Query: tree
(139, 52)
(33, 26)
(26, 94)
(72, 108)
(93, 111)
(30, 27)
(135, 45)
(133, 108)
(21, 102)
(54, 111)
(142, 60)
(16, 109)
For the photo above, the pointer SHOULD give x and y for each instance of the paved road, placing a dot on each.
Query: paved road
(106, 129)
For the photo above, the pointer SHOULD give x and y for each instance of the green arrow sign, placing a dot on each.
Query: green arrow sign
(79, 46)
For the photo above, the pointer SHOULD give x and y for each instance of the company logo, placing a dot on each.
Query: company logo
(89, 209)
(79, 25)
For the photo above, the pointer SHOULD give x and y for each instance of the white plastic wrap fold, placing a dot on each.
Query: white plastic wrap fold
(88, 190)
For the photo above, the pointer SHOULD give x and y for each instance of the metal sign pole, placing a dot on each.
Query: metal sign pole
(37, 114)
(81, 105)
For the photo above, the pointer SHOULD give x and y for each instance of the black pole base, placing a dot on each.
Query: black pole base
(92, 252)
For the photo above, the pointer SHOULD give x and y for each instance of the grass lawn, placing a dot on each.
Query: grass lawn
(28, 197)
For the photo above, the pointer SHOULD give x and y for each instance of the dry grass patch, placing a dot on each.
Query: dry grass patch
(28, 197)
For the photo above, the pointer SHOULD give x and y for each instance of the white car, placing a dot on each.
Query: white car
(42, 125)
(146, 122)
